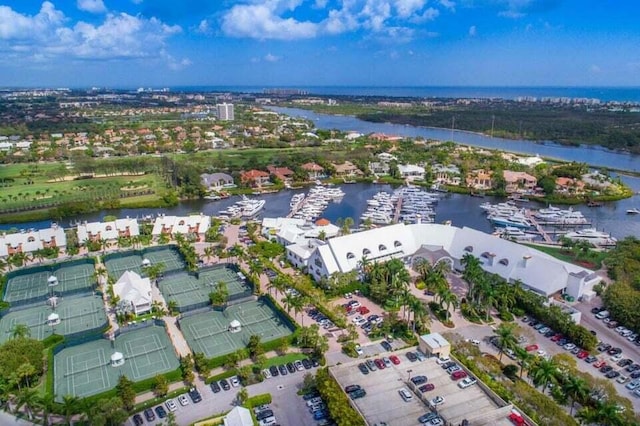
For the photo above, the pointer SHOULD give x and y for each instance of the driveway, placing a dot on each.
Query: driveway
(288, 407)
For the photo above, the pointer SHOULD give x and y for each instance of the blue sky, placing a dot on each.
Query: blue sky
(127, 43)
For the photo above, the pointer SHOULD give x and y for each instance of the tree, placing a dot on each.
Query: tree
(70, 405)
(219, 296)
(45, 403)
(20, 331)
(109, 412)
(447, 298)
(126, 392)
(506, 337)
(27, 398)
(161, 385)
(171, 419)
(576, 389)
(544, 372)
(255, 346)
(243, 395)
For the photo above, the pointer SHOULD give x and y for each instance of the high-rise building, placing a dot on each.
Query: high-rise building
(225, 112)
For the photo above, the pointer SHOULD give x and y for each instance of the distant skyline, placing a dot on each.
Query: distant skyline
(128, 43)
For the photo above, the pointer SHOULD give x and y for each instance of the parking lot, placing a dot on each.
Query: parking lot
(383, 403)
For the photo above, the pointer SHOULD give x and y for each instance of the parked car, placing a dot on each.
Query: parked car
(386, 345)
(224, 384)
(466, 382)
(438, 400)
(428, 387)
(599, 364)
(215, 387)
(363, 368)
(137, 420)
(441, 361)
(266, 373)
(283, 370)
(161, 412)
(195, 395)
(234, 381)
(183, 400)
(379, 363)
(306, 364)
(149, 415)
(582, 354)
(394, 359)
(418, 380)
(360, 393)
(274, 371)
(290, 367)
(425, 418)
(411, 356)
(371, 365)
(589, 359)
(171, 405)
(351, 388)
(420, 356)
(460, 374)
(531, 348)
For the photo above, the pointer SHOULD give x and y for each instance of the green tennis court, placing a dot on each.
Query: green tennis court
(191, 291)
(85, 369)
(31, 285)
(118, 263)
(77, 315)
(208, 332)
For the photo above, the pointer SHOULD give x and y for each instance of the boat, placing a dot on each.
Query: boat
(512, 232)
(593, 236)
(633, 211)
(212, 197)
(516, 220)
(296, 201)
(595, 203)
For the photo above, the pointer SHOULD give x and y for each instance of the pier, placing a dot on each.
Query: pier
(544, 234)
(396, 213)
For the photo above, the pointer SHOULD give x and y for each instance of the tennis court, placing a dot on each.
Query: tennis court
(85, 369)
(118, 263)
(30, 285)
(191, 291)
(208, 332)
(77, 315)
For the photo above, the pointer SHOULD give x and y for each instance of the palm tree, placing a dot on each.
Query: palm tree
(506, 337)
(448, 298)
(608, 413)
(20, 331)
(345, 227)
(587, 416)
(288, 301)
(208, 253)
(526, 359)
(45, 403)
(298, 304)
(544, 372)
(575, 388)
(70, 405)
(27, 398)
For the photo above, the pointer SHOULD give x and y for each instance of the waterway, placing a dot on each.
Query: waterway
(462, 210)
(592, 155)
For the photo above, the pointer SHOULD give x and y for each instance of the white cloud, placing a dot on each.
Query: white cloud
(47, 35)
(92, 6)
(320, 4)
(203, 27)
(262, 22)
(428, 15)
(448, 4)
(473, 31)
(406, 8)
(271, 58)
(173, 63)
(595, 69)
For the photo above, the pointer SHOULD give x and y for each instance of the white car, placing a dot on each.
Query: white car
(358, 318)
(171, 405)
(299, 366)
(360, 322)
(633, 385)
(234, 381)
(266, 373)
(542, 353)
(359, 350)
(183, 400)
(438, 400)
(466, 382)
(569, 346)
(444, 360)
(616, 358)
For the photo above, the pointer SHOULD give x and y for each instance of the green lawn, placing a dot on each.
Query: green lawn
(284, 359)
(592, 260)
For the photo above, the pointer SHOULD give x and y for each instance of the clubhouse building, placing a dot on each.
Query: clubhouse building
(536, 270)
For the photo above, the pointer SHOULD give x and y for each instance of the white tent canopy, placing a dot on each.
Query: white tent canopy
(117, 359)
(52, 280)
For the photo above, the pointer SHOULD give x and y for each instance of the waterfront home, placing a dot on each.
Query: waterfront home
(530, 161)
(194, 226)
(283, 173)
(33, 240)
(347, 170)
(314, 171)
(379, 168)
(479, 179)
(597, 180)
(134, 290)
(385, 157)
(569, 186)
(446, 175)
(287, 231)
(216, 181)
(411, 171)
(537, 271)
(96, 231)
(272, 226)
(519, 182)
(254, 178)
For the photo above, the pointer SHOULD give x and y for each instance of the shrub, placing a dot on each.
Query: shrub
(506, 315)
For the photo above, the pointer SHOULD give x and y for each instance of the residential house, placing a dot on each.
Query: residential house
(347, 170)
(411, 171)
(314, 171)
(446, 175)
(283, 173)
(479, 179)
(216, 181)
(195, 226)
(255, 178)
(565, 185)
(26, 242)
(519, 182)
(135, 290)
(96, 231)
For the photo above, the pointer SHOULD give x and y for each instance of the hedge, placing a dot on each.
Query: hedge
(255, 401)
(154, 401)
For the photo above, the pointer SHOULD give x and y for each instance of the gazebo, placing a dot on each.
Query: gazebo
(53, 319)
(235, 326)
(146, 262)
(52, 280)
(117, 359)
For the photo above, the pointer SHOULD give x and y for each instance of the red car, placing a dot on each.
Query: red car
(362, 310)
(457, 375)
(599, 363)
(531, 348)
(379, 363)
(516, 419)
(582, 354)
(556, 337)
(394, 359)
(428, 387)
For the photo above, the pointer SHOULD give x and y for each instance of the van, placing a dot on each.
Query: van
(602, 314)
(405, 394)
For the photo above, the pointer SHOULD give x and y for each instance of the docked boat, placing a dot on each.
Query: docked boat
(514, 233)
(633, 211)
(296, 201)
(516, 220)
(593, 236)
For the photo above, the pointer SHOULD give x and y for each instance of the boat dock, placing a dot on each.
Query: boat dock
(397, 211)
(544, 234)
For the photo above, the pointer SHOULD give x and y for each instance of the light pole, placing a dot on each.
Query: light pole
(409, 371)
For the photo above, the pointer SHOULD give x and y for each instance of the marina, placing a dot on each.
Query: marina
(310, 207)
(246, 208)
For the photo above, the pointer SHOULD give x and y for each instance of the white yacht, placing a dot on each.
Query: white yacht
(296, 200)
(593, 236)
(517, 220)
(634, 210)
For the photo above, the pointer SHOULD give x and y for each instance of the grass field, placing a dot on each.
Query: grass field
(593, 261)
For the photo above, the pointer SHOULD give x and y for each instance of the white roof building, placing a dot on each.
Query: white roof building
(96, 231)
(24, 242)
(530, 161)
(239, 416)
(535, 269)
(135, 290)
(171, 225)
(411, 171)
